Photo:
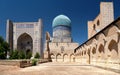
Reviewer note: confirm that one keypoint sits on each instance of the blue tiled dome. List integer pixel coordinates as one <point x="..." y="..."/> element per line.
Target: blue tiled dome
<point x="61" y="20"/>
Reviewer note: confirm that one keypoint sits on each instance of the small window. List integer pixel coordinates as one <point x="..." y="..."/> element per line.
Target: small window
<point x="94" y="26"/>
<point x="98" y="22"/>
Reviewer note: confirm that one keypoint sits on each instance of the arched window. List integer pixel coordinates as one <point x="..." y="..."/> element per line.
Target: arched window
<point x="98" y="22"/>
<point x="94" y="27"/>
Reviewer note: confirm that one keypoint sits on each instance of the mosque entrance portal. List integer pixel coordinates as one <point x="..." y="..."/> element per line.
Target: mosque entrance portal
<point x="25" y="43"/>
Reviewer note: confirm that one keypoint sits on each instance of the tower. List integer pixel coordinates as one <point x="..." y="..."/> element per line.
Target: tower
<point x="105" y="17"/>
<point x="107" y="14"/>
<point x="9" y="33"/>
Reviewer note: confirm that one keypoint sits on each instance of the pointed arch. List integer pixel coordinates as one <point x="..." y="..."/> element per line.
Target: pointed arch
<point x="113" y="46"/>
<point x="58" y="57"/>
<point x="111" y="30"/>
<point x="52" y="55"/>
<point x="25" y="42"/>
<point x="58" y="54"/>
<point x="72" y="57"/>
<point x="93" y="50"/>
<point x="65" y="54"/>
<point x="65" y="57"/>
<point x="101" y="49"/>
<point x="100" y="36"/>
<point x="113" y="53"/>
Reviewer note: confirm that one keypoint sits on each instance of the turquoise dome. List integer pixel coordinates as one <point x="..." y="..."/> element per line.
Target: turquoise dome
<point x="61" y="20"/>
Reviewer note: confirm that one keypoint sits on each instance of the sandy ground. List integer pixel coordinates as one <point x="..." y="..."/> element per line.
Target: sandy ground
<point x="55" y="69"/>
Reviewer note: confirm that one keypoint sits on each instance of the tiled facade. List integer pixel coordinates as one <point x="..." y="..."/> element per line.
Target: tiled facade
<point x="25" y="35"/>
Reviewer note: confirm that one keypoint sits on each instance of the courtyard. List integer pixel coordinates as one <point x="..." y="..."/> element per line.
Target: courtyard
<point x="53" y="68"/>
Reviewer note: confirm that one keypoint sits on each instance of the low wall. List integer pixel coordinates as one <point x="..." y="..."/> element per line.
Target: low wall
<point x="10" y="62"/>
<point x="43" y="61"/>
<point x="21" y="63"/>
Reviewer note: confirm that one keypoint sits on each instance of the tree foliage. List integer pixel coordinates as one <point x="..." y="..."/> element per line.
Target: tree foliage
<point x="37" y="55"/>
<point x="4" y="48"/>
<point x="28" y="55"/>
<point x="22" y="54"/>
<point x="34" y="62"/>
<point x="14" y="54"/>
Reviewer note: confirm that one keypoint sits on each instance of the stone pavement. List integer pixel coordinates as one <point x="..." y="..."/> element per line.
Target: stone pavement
<point x="56" y="69"/>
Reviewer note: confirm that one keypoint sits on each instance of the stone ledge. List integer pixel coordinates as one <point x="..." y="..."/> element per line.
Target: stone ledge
<point x="21" y="63"/>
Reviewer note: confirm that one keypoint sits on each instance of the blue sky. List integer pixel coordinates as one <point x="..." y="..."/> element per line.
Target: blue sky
<point x="79" y="11"/>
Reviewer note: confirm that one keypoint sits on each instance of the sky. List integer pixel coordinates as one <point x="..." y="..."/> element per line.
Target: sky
<point x="79" y="11"/>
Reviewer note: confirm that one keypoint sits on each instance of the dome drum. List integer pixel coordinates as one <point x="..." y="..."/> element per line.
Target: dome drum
<point x="61" y="29"/>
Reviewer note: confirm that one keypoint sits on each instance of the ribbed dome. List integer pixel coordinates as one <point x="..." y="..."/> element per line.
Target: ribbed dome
<point x="61" y="20"/>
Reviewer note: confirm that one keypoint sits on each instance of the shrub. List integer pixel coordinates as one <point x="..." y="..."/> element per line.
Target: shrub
<point x="28" y="55"/>
<point x="34" y="62"/>
<point x="37" y="55"/>
<point x="14" y="54"/>
<point x="21" y="54"/>
<point x="2" y="55"/>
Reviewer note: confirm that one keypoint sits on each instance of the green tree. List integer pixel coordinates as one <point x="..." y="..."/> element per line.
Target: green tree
<point x="2" y="53"/>
<point x="37" y="55"/>
<point x="1" y="39"/>
<point x="4" y="48"/>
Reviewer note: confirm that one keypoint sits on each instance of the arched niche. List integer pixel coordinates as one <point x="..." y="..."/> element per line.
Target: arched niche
<point x="72" y="57"/>
<point x="101" y="52"/>
<point x="113" y="46"/>
<point x="52" y="56"/>
<point x="93" y="50"/>
<point x="58" y="57"/>
<point x="101" y="49"/>
<point x="25" y="43"/>
<point x="65" y="57"/>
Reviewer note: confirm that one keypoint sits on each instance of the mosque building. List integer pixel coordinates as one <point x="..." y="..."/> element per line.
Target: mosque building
<point x="101" y="49"/>
<point x="61" y="46"/>
<point x="26" y="36"/>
